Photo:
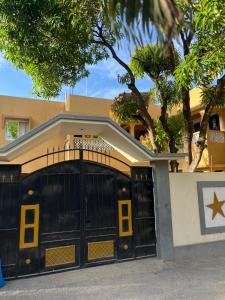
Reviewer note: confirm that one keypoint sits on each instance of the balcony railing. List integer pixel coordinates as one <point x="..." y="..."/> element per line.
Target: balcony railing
<point x="216" y="136"/>
<point x="213" y="136"/>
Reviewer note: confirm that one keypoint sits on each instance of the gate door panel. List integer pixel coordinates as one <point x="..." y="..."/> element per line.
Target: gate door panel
<point x="100" y="223"/>
<point x="51" y="241"/>
<point x="144" y="217"/>
<point x="60" y="221"/>
<point x="9" y="218"/>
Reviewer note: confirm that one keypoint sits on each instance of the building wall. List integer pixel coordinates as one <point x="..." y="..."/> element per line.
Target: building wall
<point x="195" y="97"/>
<point x="81" y="105"/>
<point x="37" y="111"/>
<point x="185" y="208"/>
<point x="216" y="153"/>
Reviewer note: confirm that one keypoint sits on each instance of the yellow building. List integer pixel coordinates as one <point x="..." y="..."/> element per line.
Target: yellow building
<point x="19" y="115"/>
<point x="213" y="158"/>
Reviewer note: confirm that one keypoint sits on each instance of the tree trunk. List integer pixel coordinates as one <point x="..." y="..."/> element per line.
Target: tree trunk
<point x="145" y="116"/>
<point x="188" y="123"/>
<point x="174" y="166"/>
<point x="188" y="128"/>
<point x="164" y="121"/>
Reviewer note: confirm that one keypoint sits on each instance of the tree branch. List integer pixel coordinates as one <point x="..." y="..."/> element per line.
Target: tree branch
<point x="132" y="86"/>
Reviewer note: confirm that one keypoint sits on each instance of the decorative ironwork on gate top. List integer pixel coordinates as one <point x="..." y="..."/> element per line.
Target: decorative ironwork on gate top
<point x="85" y="152"/>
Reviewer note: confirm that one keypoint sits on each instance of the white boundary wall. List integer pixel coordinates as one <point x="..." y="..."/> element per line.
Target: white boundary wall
<point x="185" y="208"/>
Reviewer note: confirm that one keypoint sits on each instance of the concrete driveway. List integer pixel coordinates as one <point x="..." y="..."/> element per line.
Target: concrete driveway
<point x="140" y="279"/>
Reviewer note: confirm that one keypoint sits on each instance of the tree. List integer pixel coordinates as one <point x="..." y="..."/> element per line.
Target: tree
<point x="204" y="65"/>
<point x="163" y="15"/>
<point x="202" y="43"/>
<point x="51" y="40"/>
<point x="155" y="62"/>
<point x="54" y="41"/>
<point x="125" y="110"/>
<point x="159" y="65"/>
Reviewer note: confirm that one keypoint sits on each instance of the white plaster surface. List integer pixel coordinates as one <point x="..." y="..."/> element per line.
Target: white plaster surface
<point x="185" y="209"/>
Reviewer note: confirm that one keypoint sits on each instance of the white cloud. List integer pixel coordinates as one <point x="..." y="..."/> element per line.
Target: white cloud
<point x="107" y="68"/>
<point x="110" y="68"/>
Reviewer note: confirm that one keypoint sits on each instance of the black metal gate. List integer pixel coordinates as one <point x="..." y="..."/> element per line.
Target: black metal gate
<point x="74" y="214"/>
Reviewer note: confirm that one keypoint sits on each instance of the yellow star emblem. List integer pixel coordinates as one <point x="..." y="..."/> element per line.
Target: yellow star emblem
<point x="216" y="207"/>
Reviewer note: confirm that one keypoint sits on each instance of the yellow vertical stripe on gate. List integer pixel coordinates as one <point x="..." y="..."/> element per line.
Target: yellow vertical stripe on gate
<point x="127" y="217"/>
<point x="24" y="226"/>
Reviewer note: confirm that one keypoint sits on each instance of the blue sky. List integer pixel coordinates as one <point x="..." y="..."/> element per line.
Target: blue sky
<point x="102" y="81"/>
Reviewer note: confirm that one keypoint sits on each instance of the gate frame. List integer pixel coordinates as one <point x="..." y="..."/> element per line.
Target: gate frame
<point x="6" y="169"/>
<point x="162" y="200"/>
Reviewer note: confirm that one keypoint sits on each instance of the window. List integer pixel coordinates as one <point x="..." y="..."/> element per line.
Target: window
<point x="14" y="128"/>
<point x="140" y="132"/>
<point x="214" y="122"/>
<point x="125" y="218"/>
<point x="29" y="226"/>
<point x="197" y="127"/>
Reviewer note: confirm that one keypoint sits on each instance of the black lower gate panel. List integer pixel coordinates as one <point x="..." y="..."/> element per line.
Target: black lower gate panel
<point x="74" y="214"/>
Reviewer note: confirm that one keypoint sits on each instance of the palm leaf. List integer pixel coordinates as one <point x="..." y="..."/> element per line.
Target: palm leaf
<point x="161" y="14"/>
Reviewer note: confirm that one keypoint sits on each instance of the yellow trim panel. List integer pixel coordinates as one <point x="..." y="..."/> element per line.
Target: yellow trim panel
<point x="24" y="226"/>
<point x="102" y="249"/>
<point x="122" y="218"/>
<point x="60" y="256"/>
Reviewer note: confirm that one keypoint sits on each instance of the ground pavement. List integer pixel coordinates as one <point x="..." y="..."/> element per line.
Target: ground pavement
<point x="140" y="279"/>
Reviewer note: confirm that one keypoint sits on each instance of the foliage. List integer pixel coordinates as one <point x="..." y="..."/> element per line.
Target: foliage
<point x="208" y="93"/>
<point x="203" y="65"/>
<point x="146" y="142"/>
<point x="161" y="136"/>
<point x="166" y="91"/>
<point x="125" y="108"/>
<point x="176" y="124"/>
<point x="158" y="64"/>
<point x="51" y="40"/>
<point x="153" y="60"/>
<point x="206" y="60"/>
<point x="12" y="128"/>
